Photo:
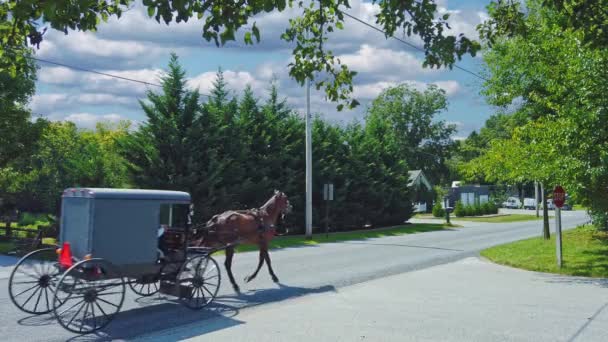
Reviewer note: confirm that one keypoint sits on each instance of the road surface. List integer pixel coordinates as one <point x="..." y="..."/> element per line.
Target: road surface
<point x="303" y="271"/>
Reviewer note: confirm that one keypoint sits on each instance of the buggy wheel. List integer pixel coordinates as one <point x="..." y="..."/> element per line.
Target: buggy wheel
<point x="145" y="287"/>
<point x="32" y="282"/>
<point x="88" y="296"/>
<point x="201" y="275"/>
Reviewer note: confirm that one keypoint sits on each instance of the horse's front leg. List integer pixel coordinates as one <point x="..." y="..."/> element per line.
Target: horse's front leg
<point x="228" y="264"/>
<point x="260" y="263"/>
<point x="267" y="258"/>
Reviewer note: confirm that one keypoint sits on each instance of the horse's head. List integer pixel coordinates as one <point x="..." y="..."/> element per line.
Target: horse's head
<point x="281" y="203"/>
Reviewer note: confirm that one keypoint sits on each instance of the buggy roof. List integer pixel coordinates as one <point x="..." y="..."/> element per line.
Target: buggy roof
<point x="128" y="194"/>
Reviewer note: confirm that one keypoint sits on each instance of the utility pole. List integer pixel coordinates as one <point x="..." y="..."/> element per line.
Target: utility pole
<point x="308" y="162"/>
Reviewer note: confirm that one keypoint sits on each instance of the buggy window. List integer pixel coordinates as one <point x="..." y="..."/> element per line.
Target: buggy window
<point x="175" y="216"/>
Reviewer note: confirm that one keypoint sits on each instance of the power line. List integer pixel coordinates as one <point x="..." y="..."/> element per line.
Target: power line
<point x="100" y="73"/>
<point x="406" y="42"/>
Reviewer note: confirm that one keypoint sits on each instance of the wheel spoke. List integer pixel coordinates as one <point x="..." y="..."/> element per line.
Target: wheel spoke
<point x="29" y="274"/>
<point x="101" y="309"/>
<point x="210" y="293"/>
<point x="32" y="296"/>
<point x="38" y="299"/>
<point x="105" y="301"/>
<point x="46" y="296"/>
<point x="70" y="308"/>
<point x="84" y="316"/>
<point x="108" y="293"/>
<point x="77" y="312"/>
<point x="93" y="315"/>
<point x="26" y="282"/>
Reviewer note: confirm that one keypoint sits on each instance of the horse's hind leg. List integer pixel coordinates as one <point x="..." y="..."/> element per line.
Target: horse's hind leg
<point x="260" y="263"/>
<point x="267" y="257"/>
<point x="228" y="264"/>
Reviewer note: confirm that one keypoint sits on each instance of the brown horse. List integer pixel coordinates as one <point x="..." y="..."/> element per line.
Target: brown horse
<point x="255" y="226"/>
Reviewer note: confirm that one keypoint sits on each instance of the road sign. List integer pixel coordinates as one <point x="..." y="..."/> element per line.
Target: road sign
<point x="559" y="196"/>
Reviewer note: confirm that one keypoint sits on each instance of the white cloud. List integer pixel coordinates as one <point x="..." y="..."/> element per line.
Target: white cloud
<point x="236" y="80"/>
<point x="384" y="63"/>
<point x="61" y="102"/>
<point x="89" y="120"/>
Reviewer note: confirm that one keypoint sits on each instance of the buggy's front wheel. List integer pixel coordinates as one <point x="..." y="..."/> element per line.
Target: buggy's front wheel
<point x="32" y="282"/>
<point x="202" y="277"/>
<point x="88" y="296"/>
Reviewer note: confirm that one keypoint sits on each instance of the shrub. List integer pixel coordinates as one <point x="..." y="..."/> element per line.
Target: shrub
<point x="492" y="208"/>
<point x="438" y="211"/>
<point x="486" y="208"/>
<point x="469" y="211"/>
<point x="459" y="209"/>
<point x="29" y="219"/>
<point x="477" y="210"/>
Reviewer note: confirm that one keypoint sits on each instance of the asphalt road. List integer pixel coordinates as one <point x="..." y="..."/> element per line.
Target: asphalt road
<point x="470" y="300"/>
<point x="302" y="271"/>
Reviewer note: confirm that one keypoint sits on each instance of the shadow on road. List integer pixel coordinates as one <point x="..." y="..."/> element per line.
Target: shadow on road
<point x="159" y="313"/>
<point x="577" y="280"/>
<point x="401" y="245"/>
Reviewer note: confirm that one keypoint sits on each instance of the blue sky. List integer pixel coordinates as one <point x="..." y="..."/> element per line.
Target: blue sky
<point x="137" y="47"/>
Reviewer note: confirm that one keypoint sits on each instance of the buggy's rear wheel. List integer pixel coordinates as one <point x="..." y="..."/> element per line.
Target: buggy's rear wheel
<point x="88" y="296"/>
<point x="201" y="275"/>
<point x="32" y="282"/>
<point x="145" y="286"/>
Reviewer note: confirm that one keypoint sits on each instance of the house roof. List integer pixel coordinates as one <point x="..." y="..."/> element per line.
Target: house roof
<point x="416" y="177"/>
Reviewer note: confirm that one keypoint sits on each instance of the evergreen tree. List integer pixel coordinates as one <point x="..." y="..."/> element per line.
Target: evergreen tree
<point x="159" y="152"/>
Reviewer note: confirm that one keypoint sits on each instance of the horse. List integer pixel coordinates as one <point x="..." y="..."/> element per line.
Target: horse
<point x="253" y="226"/>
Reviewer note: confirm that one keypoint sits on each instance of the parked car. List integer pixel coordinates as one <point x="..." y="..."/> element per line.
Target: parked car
<point x="550" y="205"/>
<point x="529" y="203"/>
<point x="512" y="203"/>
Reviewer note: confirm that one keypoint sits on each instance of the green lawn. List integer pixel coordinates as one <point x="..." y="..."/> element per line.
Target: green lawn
<point x="501" y="218"/>
<point x="585" y="253"/>
<point x="300" y="240"/>
<point x="6" y="247"/>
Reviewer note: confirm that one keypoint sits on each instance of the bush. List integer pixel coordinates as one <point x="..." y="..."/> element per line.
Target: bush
<point x="29" y="219"/>
<point x="469" y="211"/>
<point x="438" y="211"/>
<point x="486" y="208"/>
<point x="459" y="209"/>
<point x="477" y="210"/>
<point x="493" y="209"/>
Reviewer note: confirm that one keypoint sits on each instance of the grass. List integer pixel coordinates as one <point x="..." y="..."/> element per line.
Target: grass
<point x="584" y="253"/>
<point x="300" y="240"/>
<point x="578" y="207"/>
<point x="6" y="247"/>
<point x="501" y="218"/>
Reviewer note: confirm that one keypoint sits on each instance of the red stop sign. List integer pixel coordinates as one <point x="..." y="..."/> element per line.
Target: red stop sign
<point x="559" y="196"/>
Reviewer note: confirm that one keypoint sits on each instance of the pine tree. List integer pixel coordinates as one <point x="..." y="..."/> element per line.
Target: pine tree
<point x="159" y="152"/>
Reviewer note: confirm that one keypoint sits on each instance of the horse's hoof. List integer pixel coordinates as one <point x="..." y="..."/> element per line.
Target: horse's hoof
<point x="275" y="279"/>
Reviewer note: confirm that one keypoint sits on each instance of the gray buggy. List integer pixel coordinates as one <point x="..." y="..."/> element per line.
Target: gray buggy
<point x="111" y="239"/>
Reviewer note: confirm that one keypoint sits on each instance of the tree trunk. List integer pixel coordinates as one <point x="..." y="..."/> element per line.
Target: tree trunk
<point x="546" y="232"/>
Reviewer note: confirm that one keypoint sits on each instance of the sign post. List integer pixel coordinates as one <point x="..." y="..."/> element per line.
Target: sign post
<point x="446" y="202"/>
<point x="559" y="197"/>
<point x="328" y="195"/>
